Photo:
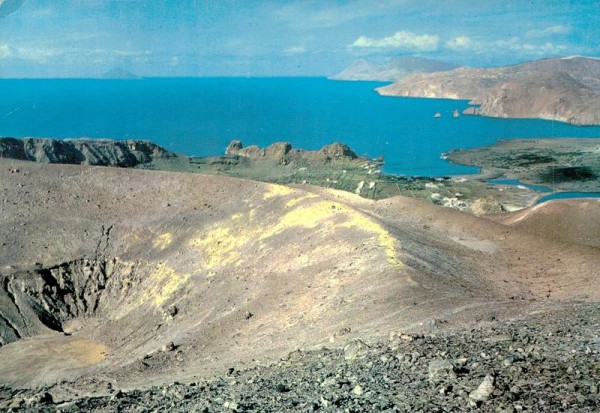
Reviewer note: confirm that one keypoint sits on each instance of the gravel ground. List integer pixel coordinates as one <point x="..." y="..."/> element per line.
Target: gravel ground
<point x="547" y="362"/>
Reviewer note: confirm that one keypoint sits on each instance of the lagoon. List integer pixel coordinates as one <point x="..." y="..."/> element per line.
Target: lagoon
<point x="567" y="195"/>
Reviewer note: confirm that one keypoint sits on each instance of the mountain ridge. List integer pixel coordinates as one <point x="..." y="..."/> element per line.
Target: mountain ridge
<point x="393" y="69"/>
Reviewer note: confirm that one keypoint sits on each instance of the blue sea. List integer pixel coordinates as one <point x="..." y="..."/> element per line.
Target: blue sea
<point x="199" y="116"/>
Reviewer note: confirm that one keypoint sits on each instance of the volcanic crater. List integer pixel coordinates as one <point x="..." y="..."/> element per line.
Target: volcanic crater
<point x="147" y="277"/>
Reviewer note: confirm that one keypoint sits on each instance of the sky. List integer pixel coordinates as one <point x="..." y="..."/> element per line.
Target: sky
<point x="85" y="38"/>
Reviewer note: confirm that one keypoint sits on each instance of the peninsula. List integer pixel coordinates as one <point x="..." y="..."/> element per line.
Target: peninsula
<point x="566" y="89"/>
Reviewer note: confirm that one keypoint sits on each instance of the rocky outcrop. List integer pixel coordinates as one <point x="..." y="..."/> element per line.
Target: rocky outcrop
<point x="392" y="70"/>
<point x="101" y="152"/>
<point x="338" y="150"/>
<point x="563" y="89"/>
<point x="283" y="153"/>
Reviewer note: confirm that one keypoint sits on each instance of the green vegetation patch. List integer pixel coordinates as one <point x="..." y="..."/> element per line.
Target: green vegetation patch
<point x="568" y="174"/>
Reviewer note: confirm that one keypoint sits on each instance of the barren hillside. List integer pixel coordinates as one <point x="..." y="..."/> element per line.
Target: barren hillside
<point x="103" y="268"/>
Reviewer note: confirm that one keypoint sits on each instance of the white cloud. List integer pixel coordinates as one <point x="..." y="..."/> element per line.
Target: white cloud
<point x="460" y="43"/>
<point x="37" y="54"/>
<point x="548" y="31"/>
<point x="400" y="40"/>
<point x="124" y="52"/>
<point x="45" y="55"/>
<point x="295" y="50"/>
<point x="4" y="51"/>
<point x="513" y="45"/>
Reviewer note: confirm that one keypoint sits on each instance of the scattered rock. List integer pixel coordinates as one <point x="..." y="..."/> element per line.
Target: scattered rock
<point x="484" y="391"/>
<point x="168" y="347"/>
<point x="16" y="403"/>
<point x="282" y="388"/>
<point x="171" y="312"/>
<point x="499" y="338"/>
<point x="548" y="372"/>
<point x="441" y="370"/>
<point x="40" y="399"/>
<point x="355" y="350"/>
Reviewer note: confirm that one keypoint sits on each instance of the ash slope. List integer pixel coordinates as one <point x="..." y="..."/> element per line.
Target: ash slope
<point x="575" y="221"/>
<point x="565" y="89"/>
<point x="236" y="273"/>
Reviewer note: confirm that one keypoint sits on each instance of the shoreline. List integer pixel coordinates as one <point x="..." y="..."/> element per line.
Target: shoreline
<point x="562" y="165"/>
<point x="336" y="166"/>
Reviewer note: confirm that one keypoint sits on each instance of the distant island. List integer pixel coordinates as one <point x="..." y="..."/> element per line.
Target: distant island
<point x="566" y="89"/>
<point x="119" y="73"/>
<point x="392" y="70"/>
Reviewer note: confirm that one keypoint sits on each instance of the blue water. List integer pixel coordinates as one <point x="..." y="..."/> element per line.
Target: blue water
<point x="568" y="195"/>
<point x="199" y="116"/>
<point x="516" y="182"/>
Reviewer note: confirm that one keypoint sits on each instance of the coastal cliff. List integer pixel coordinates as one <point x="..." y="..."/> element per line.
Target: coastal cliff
<point x="101" y="152"/>
<point x="565" y="89"/>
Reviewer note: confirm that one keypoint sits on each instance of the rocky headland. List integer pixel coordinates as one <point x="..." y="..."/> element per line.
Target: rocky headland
<point x="101" y="152"/>
<point x="392" y="70"/>
<point x="566" y="89"/>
